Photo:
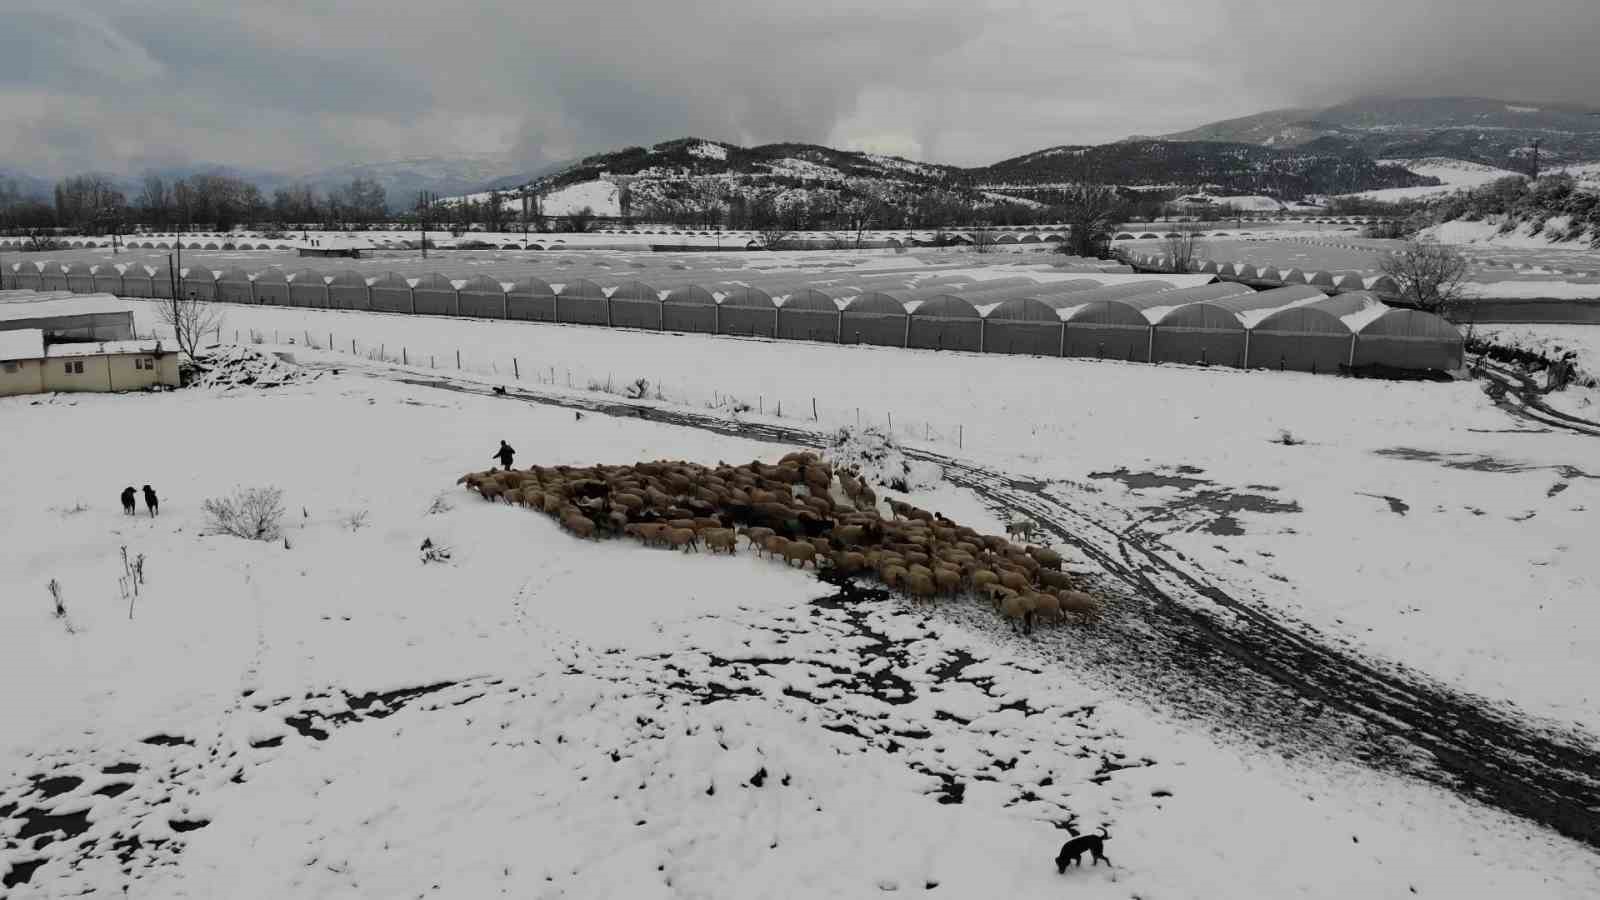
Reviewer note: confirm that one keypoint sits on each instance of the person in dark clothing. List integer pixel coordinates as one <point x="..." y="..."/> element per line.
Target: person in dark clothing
<point x="150" y="501"/>
<point x="504" y="454"/>
<point x="128" y="507"/>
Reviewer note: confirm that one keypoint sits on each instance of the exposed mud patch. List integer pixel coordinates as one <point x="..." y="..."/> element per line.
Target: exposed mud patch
<point x="1396" y="505"/>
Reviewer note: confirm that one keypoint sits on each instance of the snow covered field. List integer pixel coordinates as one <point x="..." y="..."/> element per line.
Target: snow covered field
<point x="1483" y="514"/>
<point x="543" y="717"/>
<point x="1455" y="173"/>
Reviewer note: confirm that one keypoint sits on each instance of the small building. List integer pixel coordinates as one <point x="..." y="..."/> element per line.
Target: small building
<point x="29" y="365"/>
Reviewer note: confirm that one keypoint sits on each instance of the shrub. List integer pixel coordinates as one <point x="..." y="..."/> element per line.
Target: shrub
<point x="254" y="514"/>
<point x="638" y="390"/>
<point x="1287" y="438"/>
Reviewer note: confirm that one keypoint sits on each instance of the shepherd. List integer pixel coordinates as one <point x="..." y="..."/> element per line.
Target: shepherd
<point x="504" y="454"/>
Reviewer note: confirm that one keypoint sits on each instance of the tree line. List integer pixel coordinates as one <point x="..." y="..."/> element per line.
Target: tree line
<point x="94" y="204"/>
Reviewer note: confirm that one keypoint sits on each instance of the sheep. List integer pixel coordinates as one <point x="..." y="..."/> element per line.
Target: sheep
<point x="1048" y="607"/>
<point x="802" y="552"/>
<point x="892" y="575"/>
<point x="579" y="526"/>
<point x="849" y="562"/>
<point x="757" y="536"/>
<point x="682" y="538"/>
<point x="491" y="490"/>
<point x="776" y="545"/>
<point x="921" y="587"/>
<point x="980" y="579"/>
<point x="1050" y="578"/>
<point x="1019" y="609"/>
<point x="1047" y="558"/>
<point x="1083" y="607"/>
<point x="1014" y="580"/>
<point x="720" y="539"/>
<point x="948" y="580"/>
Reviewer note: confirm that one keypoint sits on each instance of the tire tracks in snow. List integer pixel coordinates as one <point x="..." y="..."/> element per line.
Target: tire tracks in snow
<point x="1186" y="641"/>
<point x="1517" y="394"/>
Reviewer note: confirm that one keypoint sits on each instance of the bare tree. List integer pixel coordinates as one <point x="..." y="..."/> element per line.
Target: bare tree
<point x="983" y="240"/>
<point x="578" y="220"/>
<point x="1431" y="276"/>
<point x="1183" y="247"/>
<point x="190" y="319"/>
<point x="1093" y="210"/>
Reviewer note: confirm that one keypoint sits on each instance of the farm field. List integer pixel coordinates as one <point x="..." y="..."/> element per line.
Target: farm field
<point x="540" y="715"/>
<point x="1075" y="425"/>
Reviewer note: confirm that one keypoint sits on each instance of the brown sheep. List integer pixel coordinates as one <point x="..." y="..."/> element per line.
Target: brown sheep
<point x="802" y="552"/>
<point x="1047" y="558"/>
<point x="553" y="503"/>
<point x="1014" y="580"/>
<point x="757" y="536"/>
<point x="948" y="580"/>
<point x="491" y="490"/>
<point x="1048" y="607"/>
<point x="1018" y="608"/>
<point x="579" y="526"/>
<point x="849" y="562"/>
<point x="1083" y="607"/>
<point x="982" y="578"/>
<point x="776" y="544"/>
<point x="1055" y="580"/>
<point x="921" y="587"/>
<point x="682" y="538"/>
<point x="720" y="539"/>
<point x="893" y="575"/>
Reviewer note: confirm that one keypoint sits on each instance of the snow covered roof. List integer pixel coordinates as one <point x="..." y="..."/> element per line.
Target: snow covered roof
<point x="108" y="348"/>
<point x="24" y="343"/>
<point x="77" y="305"/>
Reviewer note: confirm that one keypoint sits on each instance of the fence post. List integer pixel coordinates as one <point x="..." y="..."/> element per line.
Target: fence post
<point x="458" y="358"/>
<point x="405" y="360"/>
<point x="330" y="343"/>
<point x="352" y="346"/>
<point x="960" y="435"/>
<point x="814" y="417"/>
<point x="516" y="369"/>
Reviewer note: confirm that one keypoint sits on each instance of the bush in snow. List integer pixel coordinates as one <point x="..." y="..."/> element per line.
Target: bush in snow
<point x="254" y="514"/>
<point x="639" y="390"/>
<point x="877" y="455"/>
<point x="1287" y="438"/>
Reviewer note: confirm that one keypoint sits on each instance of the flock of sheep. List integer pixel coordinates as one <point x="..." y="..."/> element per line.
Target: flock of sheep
<point x="803" y="512"/>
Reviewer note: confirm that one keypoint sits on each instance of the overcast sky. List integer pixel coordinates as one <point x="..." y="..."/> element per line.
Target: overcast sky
<point x="301" y="85"/>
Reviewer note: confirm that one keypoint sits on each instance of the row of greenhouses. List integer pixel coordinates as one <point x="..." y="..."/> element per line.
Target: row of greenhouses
<point x="1133" y="318"/>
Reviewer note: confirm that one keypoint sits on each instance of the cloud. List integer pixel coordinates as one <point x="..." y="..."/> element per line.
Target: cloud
<point x="301" y="85"/>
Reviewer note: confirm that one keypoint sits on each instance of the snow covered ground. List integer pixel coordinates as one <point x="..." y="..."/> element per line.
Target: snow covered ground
<point x="1455" y="173"/>
<point x="536" y="716"/>
<point x="1483" y="514"/>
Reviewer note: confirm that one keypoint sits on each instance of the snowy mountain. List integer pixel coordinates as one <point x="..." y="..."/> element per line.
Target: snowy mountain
<point x="675" y="169"/>
<point x="1475" y="129"/>
<point x="1233" y="168"/>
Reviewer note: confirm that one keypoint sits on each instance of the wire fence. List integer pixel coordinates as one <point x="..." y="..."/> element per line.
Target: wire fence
<point x="511" y="370"/>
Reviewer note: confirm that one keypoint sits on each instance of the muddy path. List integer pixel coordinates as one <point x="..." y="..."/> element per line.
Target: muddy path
<point x="1519" y="395"/>
<point x="1179" y="638"/>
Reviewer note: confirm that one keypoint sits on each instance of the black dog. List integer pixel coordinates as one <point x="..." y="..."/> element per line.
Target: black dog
<point x="128" y="508"/>
<point x="1072" y="851"/>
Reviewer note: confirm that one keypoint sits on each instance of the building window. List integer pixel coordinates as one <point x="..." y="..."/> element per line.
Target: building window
<point x="74" y="368"/>
<point x="11" y="368"/>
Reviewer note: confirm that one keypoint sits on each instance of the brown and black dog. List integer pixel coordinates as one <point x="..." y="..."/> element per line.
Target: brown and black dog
<point x="1072" y="851"/>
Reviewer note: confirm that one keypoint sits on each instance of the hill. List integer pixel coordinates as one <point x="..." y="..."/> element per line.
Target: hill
<point x="1318" y="167"/>
<point x="685" y="171"/>
<point x="1486" y="131"/>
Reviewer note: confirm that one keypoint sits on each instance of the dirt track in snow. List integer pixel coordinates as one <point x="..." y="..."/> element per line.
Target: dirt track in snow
<point x="1180" y="639"/>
